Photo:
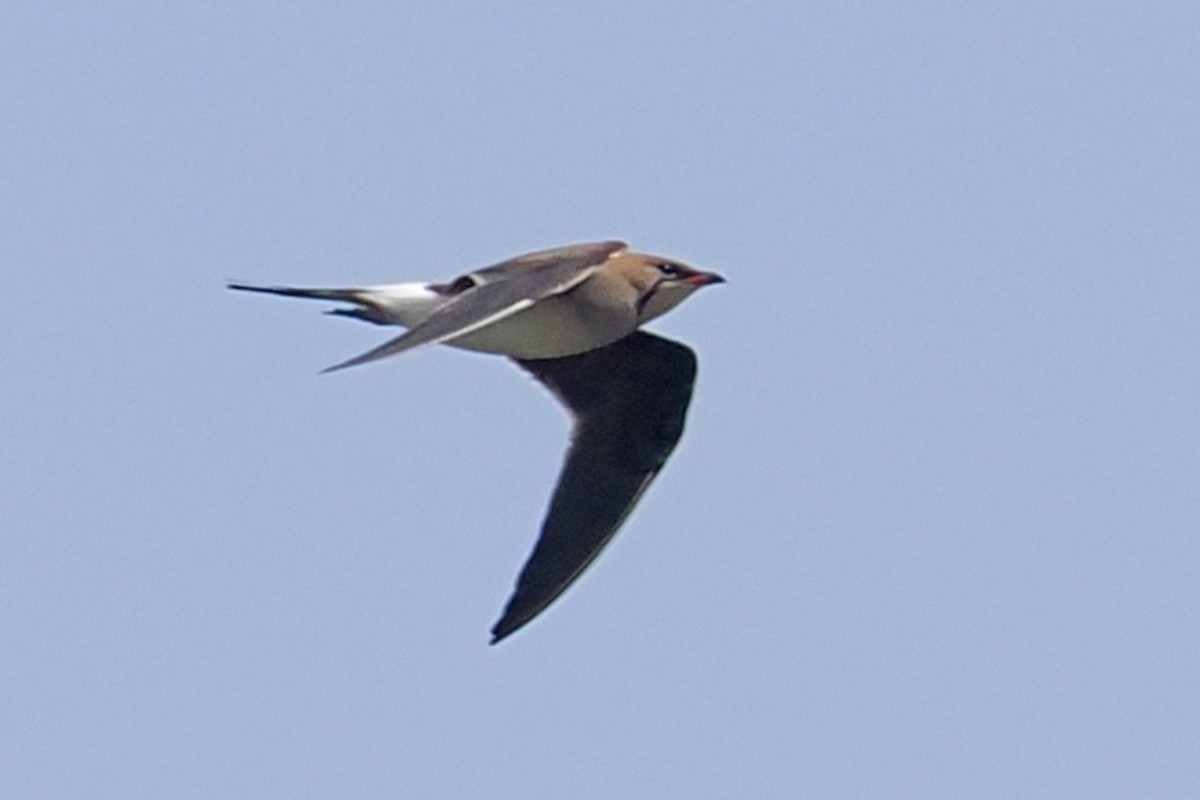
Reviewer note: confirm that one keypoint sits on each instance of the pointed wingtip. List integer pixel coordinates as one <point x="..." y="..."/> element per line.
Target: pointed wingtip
<point x="365" y="358"/>
<point x="503" y="629"/>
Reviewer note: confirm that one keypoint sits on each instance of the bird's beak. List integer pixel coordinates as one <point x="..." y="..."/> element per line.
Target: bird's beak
<point x="704" y="279"/>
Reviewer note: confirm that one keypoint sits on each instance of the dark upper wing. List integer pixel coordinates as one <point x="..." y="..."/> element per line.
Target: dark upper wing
<point x="629" y="400"/>
<point x="499" y="291"/>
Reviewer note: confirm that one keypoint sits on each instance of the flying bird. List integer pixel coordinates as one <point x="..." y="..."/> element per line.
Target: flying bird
<point x="569" y="316"/>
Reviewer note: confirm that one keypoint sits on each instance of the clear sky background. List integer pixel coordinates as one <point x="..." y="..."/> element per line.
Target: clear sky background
<point x="933" y="529"/>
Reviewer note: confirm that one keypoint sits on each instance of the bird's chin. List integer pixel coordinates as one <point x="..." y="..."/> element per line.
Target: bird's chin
<point x="666" y="298"/>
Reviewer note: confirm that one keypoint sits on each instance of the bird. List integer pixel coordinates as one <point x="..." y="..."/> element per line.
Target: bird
<point x="570" y="317"/>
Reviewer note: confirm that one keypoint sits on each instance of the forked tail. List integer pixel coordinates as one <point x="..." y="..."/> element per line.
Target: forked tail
<point x="344" y="295"/>
<point x="365" y="307"/>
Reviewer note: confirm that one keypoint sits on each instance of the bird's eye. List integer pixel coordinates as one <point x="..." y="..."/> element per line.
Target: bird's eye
<point x="670" y="270"/>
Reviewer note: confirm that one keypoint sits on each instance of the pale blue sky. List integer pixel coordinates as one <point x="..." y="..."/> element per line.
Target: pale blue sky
<point x="932" y="531"/>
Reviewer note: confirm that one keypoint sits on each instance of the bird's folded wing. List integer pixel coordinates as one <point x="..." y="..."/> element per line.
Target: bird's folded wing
<point x="581" y="254"/>
<point x="629" y="400"/>
<point x="499" y="292"/>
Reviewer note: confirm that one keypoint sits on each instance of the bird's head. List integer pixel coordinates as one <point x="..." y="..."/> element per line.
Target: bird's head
<point x="663" y="283"/>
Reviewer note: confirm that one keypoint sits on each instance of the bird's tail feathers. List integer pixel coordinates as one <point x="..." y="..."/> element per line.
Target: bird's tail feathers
<point x="366" y="308"/>
<point x="345" y="295"/>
